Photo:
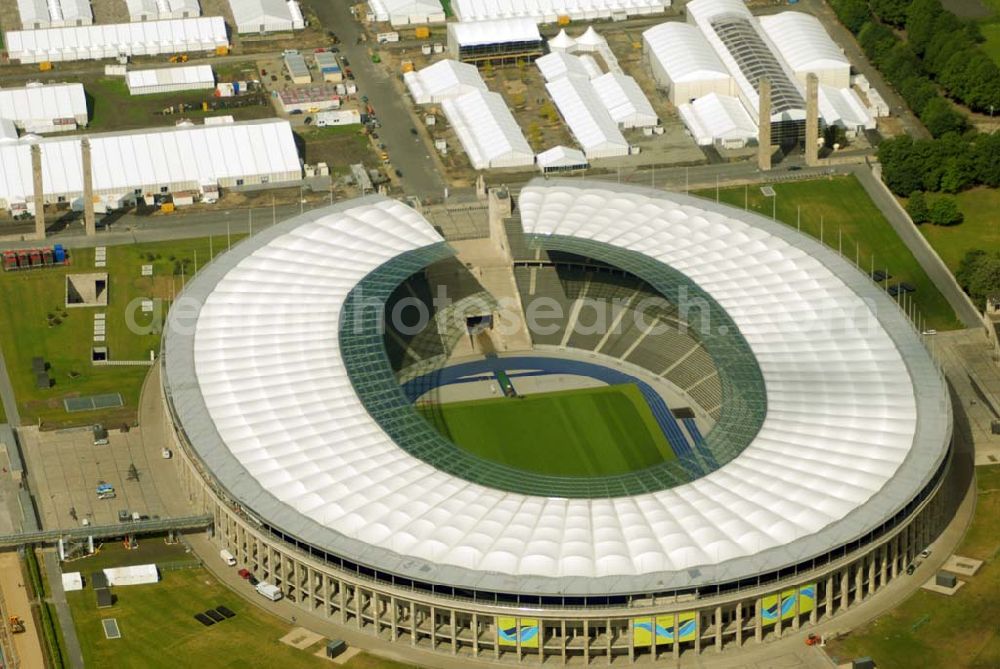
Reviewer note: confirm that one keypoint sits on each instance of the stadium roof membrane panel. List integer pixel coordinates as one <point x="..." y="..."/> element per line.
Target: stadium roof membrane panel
<point x="858" y="418"/>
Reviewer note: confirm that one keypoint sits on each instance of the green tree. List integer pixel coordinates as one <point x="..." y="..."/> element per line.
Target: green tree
<point x="979" y="275"/>
<point x="940" y="117"/>
<point x="917" y="207"/>
<point x="944" y="211"/>
<point x="852" y="13"/>
<point x="890" y="11"/>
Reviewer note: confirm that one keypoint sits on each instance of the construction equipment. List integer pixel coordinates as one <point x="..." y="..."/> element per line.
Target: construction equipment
<point x="422" y="32"/>
<point x="16" y="624"/>
<point x="407" y="66"/>
<point x="179" y="58"/>
<point x="221" y="50"/>
<point x="44" y="66"/>
<point x="167" y="207"/>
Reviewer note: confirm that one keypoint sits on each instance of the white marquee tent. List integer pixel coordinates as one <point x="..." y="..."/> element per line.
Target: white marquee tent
<point x="495" y="31"/>
<point x="135" y="575"/>
<point x="39" y="108"/>
<point x="180" y="158"/>
<point x="266" y="16"/>
<point x="560" y="64"/>
<point x="149" y="38"/>
<point x="683" y="62"/>
<point x="157" y="10"/>
<point x="562" y="42"/>
<point x="487" y="130"/>
<point x="549" y="11"/>
<point x="72" y="581"/>
<point x="407" y="12"/>
<point x="444" y="79"/>
<point x="625" y="101"/>
<point x="561" y="159"/>
<point x="587" y="118"/>
<point x="719" y="119"/>
<point x="37" y="14"/>
<point x="167" y="79"/>
<point x="843" y="107"/>
<point x="806" y="46"/>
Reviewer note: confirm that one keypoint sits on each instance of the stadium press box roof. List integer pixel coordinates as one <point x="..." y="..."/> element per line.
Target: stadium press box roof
<point x="296" y="424"/>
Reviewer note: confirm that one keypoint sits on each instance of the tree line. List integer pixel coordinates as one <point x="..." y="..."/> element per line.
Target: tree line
<point x="979" y="275"/>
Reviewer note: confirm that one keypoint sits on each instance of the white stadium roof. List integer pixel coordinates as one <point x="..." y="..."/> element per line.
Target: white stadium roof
<point x="148" y="38"/>
<point x="803" y="42"/>
<point x="549" y="11"/>
<point x="255" y="16"/>
<point x="444" y="79"/>
<point x="587" y="118"/>
<point x="684" y="53"/>
<point x="624" y="100"/>
<point x="857" y="420"/>
<point x="715" y="117"/>
<point x="38" y="103"/>
<point x="487" y="130"/>
<point x="54" y="13"/>
<point x="479" y="33"/>
<point x="122" y="162"/>
<point x="165" y="79"/>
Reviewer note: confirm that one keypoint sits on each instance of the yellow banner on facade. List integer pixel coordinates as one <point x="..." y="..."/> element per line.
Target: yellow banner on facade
<point x="645" y="630"/>
<point x="509" y="630"/>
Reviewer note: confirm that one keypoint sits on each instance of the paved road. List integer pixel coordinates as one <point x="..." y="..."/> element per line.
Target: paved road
<point x="71" y="643"/>
<point x="921" y="250"/>
<point x="7" y="395"/>
<point x="407" y="152"/>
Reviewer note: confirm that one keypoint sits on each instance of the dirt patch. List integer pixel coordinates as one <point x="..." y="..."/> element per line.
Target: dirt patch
<point x="968" y="9"/>
<point x="28" y="644"/>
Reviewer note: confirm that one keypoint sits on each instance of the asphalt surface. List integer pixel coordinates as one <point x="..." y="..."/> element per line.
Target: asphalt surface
<point x="407" y="152"/>
<point x="71" y="643"/>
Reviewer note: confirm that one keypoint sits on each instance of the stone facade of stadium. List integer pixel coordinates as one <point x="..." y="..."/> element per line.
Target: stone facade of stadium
<point x="465" y="624"/>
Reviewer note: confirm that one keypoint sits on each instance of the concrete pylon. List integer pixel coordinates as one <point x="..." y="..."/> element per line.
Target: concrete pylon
<point x="764" y="125"/>
<point x="812" y="120"/>
<point x="501" y="207"/>
<point x="88" y="189"/>
<point x="39" y="193"/>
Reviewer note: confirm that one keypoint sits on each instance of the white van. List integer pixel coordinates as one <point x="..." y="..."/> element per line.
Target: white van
<point x="272" y="592"/>
<point x="227" y="557"/>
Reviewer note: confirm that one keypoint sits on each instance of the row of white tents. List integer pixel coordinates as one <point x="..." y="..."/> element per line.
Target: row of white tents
<point x="158" y="10"/>
<point x="38" y="108"/>
<point x="37" y="14"/>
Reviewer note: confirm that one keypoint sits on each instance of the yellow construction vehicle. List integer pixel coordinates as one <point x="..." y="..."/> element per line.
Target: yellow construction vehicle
<point x="179" y="58"/>
<point x="44" y="66"/>
<point x="221" y="50"/>
<point x="422" y="32"/>
<point x="16" y="624"/>
<point x="407" y="66"/>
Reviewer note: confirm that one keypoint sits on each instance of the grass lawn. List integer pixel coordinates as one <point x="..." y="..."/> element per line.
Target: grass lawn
<point x="979" y="230"/>
<point x="158" y="629"/>
<point x="841" y="204"/>
<point x="586" y="432"/>
<point x="113" y="554"/>
<point x="30" y="297"/>
<point x="111" y="106"/>
<point x="991" y="43"/>
<point x="932" y="631"/>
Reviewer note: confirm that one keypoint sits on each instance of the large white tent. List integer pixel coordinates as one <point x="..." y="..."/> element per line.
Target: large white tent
<point x="560" y="64"/>
<point x="138" y="574"/>
<point x="408" y="12"/>
<point x="444" y="79"/>
<point x="842" y="107"/>
<point x="39" y="108"/>
<point x="624" y="100"/>
<point x="37" y="14"/>
<point x="549" y="11"/>
<point x="561" y="159"/>
<point x="587" y="118"/>
<point x="266" y="16"/>
<point x="148" y="38"/>
<point x="487" y="130"/>
<point x="495" y="31"/>
<point x="157" y="10"/>
<point x="683" y="62"/>
<point x="807" y="48"/>
<point x="718" y="119"/>
<point x="168" y="79"/>
<point x="181" y="158"/>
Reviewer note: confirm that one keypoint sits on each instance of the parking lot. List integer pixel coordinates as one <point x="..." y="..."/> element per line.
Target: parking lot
<point x="65" y="468"/>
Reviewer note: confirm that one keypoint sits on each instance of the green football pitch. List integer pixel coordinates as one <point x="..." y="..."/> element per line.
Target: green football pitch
<point x="587" y="432"/>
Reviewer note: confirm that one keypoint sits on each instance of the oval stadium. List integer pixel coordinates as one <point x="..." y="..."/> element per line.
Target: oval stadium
<point x="583" y="422"/>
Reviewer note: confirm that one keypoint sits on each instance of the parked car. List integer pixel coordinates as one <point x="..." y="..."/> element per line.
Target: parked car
<point x="308" y="120"/>
<point x="399" y="174"/>
<point x="413" y="131"/>
<point x="244" y="574"/>
<point x="253" y="580"/>
<point x="910" y="569"/>
<point x="124" y="516"/>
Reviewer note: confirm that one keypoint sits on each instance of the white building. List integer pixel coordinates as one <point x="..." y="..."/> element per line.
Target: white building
<point x="806" y="46"/>
<point x="587" y="117"/>
<point x="169" y="79"/>
<point x="37" y="14"/>
<point x="158" y="10"/>
<point x="155" y="161"/>
<point x="842" y="107"/>
<point x="151" y="38"/>
<point x="487" y="130"/>
<point x="266" y="16"/>
<point x="41" y="108"/>
<point x="549" y="11"/>
<point x="559" y="64"/>
<point x="444" y="79"/>
<point x="408" y="12"/>
<point x="497" y="38"/>
<point x="719" y="119"/>
<point x="561" y="159"/>
<point x="683" y="62"/>
<point x="134" y="575"/>
<point x="624" y="100"/>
